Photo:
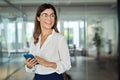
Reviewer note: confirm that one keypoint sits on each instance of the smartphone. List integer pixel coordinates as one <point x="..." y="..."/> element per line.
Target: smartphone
<point x="27" y="55"/>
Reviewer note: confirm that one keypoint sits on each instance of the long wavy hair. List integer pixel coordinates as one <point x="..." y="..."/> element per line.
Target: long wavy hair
<point x="37" y="26"/>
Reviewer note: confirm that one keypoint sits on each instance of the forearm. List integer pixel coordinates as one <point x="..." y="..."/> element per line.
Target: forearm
<point x="52" y="65"/>
<point x="46" y="63"/>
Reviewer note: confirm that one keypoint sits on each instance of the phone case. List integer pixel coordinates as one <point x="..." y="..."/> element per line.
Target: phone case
<point x="28" y="56"/>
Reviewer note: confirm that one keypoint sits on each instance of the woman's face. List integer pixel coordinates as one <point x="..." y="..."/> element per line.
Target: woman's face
<point x="47" y="19"/>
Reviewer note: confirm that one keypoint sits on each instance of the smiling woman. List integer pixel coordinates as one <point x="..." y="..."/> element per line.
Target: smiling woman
<point x="46" y="19"/>
<point x="48" y="41"/>
<point x="77" y="18"/>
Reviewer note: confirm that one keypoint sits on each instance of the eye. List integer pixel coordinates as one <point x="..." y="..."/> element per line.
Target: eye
<point x="44" y="15"/>
<point x="52" y="15"/>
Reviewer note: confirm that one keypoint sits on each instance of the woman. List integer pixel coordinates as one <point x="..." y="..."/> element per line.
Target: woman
<point x="48" y="46"/>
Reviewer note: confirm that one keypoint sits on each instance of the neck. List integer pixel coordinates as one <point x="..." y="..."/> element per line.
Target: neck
<point x="46" y="32"/>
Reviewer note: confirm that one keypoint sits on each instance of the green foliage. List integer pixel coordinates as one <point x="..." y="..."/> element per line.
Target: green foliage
<point x="97" y="37"/>
<point x="68" y="34"/>
<point x="97" y="40"/>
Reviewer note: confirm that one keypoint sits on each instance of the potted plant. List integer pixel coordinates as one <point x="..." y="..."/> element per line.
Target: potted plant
<point x="98" y="41"/>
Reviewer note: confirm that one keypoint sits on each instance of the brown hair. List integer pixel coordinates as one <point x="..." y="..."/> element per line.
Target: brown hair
<point x="37" y="27"/>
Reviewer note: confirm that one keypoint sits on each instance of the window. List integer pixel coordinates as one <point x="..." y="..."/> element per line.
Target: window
<point x="29" y="30"/>
<point x="74" y="32"/>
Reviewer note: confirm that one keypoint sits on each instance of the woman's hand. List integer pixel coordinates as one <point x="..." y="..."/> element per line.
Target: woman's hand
<point x="44" y="62"/>
<point x="41" y="61"/>
<point x="30" y="62"/>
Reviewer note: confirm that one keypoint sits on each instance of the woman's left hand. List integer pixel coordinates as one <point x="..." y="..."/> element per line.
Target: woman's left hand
<point x="41" y="61"/>
<point x="46" y="63"/>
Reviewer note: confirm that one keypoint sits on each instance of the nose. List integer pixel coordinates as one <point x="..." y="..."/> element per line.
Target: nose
<point x="49" y="17"/>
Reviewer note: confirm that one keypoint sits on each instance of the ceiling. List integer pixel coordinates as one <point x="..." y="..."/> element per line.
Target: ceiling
<point x="31" y="3"/>
<point x="6" y="5"/>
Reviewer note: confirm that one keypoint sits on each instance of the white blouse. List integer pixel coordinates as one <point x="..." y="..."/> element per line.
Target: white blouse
<point x="54" y="49"/>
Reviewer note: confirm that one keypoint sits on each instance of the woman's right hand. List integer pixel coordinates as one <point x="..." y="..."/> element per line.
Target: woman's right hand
<point x="30" y="62"/>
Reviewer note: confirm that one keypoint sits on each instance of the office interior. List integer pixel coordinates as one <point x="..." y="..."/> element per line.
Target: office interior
<point x="78" y="21"/>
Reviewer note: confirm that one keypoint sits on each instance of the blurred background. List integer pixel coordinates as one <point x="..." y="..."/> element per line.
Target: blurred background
<point x="90" y="26"/>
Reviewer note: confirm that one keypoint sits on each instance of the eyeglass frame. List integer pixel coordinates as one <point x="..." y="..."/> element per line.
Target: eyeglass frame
<point x="45" y="15"/>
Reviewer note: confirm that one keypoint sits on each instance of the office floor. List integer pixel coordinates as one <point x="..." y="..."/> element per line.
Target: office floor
<point x="83" y="68"/>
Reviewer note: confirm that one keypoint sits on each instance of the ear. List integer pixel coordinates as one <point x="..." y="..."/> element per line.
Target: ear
<point x="38" y="18"/>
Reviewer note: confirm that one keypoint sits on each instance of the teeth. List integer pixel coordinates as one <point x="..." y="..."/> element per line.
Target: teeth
<point x="48" y="23"/>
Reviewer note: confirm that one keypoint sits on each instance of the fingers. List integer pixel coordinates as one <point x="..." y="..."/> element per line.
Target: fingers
<point x="41" y="61"/>
<point x="30" y="62"/>
<point x="37" y="58"/>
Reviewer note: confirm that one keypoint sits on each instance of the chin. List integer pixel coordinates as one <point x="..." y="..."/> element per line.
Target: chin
<point x="49" y="27"/>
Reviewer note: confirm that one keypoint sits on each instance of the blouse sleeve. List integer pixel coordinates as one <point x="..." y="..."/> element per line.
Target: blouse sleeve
<point x="31" y="51"/>
<point x="64" y="64"/>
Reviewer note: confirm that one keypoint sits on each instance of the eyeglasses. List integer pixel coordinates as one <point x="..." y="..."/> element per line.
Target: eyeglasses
<point x="45" y="15"/>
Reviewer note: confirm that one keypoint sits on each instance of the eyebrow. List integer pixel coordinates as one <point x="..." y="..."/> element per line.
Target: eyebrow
<point x="47" y="13"/>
